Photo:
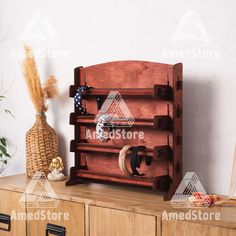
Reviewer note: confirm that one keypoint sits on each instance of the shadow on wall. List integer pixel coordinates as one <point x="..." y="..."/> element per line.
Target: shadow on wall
<point x="62" y="142"/>
<point x="197" y="125"/>
<point x="198" y="117"/>
<point x="58" y="102"/>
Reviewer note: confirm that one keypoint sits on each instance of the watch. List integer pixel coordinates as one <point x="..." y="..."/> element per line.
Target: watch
<point x="100" y="127"/>
<point x="78" y="99"/>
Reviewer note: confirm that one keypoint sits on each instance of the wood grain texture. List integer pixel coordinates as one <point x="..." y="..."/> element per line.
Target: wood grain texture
<point x="180" y="228"/>
<point x="144" y="86"/>
<point x="89" y="175"/>
<point x="88" y="120"/>
<point x="107" y="222"/>
<point x="74" y="226"/>
<point x="161" y="92"/>
<point x="177" y="130"/>
<point x="9" y="201"/>
<point x="124" y="73"/>
<point x="121" y="198"/>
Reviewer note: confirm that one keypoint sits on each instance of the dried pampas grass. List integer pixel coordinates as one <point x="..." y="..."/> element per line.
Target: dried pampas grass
<point x="38" y="94"/>
<point x="32" y="81"/>
<point x="50" y="88"/>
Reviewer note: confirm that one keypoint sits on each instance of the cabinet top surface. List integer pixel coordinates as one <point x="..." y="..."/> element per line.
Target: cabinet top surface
<point x="122" y="198"/>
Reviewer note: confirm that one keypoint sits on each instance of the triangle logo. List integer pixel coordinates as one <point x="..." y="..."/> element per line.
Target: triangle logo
<point x="39" y="193"/>
<point x="190" y="31"/>
<point x="115" y="107"/>
<point x="39" y="31"/>
<point x="190" y="186"/>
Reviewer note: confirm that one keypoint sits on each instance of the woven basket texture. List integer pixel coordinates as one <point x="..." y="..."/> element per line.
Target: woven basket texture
<point x="41" y="146"/>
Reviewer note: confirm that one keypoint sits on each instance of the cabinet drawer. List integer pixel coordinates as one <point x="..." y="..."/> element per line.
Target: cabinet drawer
<point x="9" y="204"/>
<point x="183" y="228"/>
<point x="107" y="222"/>
<point x="69" y="215"/>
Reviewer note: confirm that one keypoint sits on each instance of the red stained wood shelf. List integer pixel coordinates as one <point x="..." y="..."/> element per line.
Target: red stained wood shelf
<point x="162" y="92"/>
<point x="164" y="123"/>
<point x="156" y="183"/>
<point x="161" y="153"/>
<point x="157" y="84"/>
<point x="86" y="174"/>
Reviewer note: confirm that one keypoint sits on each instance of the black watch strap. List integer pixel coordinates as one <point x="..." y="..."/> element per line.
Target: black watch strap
<point x="136" y="160"/>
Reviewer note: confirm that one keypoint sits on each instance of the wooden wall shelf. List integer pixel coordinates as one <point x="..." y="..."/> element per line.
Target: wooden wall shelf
<point x="135" y="181"/>
<point x="162" y="92"/>
<point x="164" y="122"/>
<point x="153" y="94"/>
<point x="115" y="178"/>
<point x="161" y="153"/>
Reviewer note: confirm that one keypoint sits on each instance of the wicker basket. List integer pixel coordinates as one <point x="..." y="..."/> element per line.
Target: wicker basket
<point x="41" y="146"/>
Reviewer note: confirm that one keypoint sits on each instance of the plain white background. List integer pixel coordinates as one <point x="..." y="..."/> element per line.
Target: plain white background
<point x="92" y="32"/>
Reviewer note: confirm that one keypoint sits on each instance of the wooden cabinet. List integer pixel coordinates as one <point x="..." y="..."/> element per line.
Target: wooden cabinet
<point x="102" y="210"/>
<point x="183" y="228"/>
<point x="107" y="222"/>
<point x="69" y="215"/>
<point x="9" y="206"/>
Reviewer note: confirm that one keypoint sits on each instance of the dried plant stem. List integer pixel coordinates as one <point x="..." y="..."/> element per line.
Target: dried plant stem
<point x="33" y="82"/>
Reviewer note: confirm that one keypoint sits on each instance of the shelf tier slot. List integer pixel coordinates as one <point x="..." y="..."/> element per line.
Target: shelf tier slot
<point x="156" y="183"/>
<point x="90" y="175"/>
<point x="164" y="123"/>
<point x="162" y="92"/>
<point x="160" y="153"/>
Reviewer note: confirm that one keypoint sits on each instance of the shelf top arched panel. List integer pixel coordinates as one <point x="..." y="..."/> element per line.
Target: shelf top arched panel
<point x="127" y="74"/>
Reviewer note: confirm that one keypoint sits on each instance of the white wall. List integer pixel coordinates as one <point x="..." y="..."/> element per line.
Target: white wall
<point x="92" y="32"/>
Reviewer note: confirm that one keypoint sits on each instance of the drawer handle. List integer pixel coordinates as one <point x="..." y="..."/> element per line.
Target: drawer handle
<point x="55" y="230"/>
<point x="5" y="219"/>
